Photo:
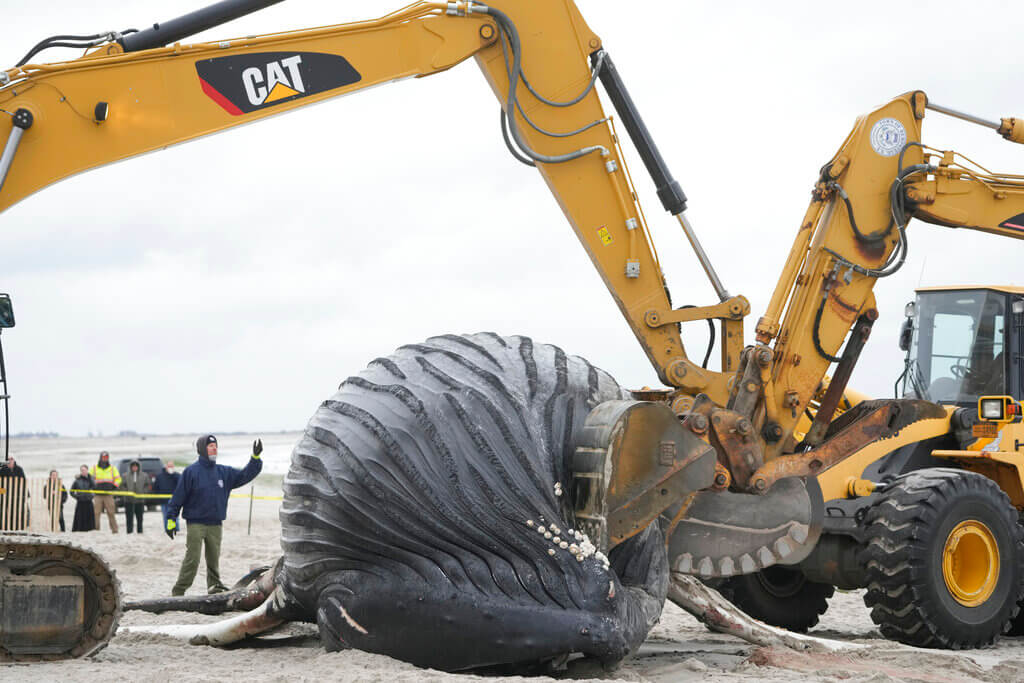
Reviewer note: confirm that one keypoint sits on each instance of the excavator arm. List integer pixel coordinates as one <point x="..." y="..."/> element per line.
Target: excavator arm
<point x="133" y="95"/>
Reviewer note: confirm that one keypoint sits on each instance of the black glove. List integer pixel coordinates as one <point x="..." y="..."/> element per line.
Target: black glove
<point x="172" y="528"/>
<point x="257" y="448"/>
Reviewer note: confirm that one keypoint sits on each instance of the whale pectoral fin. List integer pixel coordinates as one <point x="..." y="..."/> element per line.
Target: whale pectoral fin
<point x="224" y="632"/>
<point x="329" y="615"/>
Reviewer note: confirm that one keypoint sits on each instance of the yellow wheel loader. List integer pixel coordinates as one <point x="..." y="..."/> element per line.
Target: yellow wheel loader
<point x="724" y="465"/>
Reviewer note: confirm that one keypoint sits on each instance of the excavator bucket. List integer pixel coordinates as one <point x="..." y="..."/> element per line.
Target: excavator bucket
<point x="636" y="464"/>
<point x="724" y="533"/>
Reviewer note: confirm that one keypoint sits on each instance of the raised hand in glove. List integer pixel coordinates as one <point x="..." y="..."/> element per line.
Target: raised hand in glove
<point x="172" y="528"/>
<point x="257" y="448"/>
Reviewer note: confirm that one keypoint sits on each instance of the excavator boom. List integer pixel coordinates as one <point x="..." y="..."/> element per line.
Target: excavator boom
<point x="110" y="105"/>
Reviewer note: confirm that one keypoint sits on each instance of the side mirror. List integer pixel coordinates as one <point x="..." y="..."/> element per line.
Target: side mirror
<point x="906" y="334"/>
<point x="6" y="311"/>
<point x="1018" y="307"/>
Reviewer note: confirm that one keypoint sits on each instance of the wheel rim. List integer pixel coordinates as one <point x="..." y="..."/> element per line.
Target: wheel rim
<point x="970" y="563"/>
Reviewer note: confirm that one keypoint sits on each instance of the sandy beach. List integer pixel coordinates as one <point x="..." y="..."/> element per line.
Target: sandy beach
<point x="678" y="649"/>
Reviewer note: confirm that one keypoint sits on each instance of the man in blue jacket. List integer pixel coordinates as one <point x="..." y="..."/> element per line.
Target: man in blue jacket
<point x="203" y="495"/>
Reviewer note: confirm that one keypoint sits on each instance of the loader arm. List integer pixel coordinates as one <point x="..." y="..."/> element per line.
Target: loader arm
<point x="68" y="117"/>
<point x="853" y="233"/>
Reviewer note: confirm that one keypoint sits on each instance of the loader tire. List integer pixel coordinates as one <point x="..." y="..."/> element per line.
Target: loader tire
<point x="780" y="596"/>
<point x="944" y="560"/>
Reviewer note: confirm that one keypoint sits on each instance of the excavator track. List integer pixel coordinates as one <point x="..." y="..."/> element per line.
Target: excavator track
<point x="57" y="600"/>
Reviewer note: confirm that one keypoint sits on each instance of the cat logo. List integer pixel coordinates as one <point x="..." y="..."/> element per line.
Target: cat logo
<point x="270" y="83"/>
<point x="242" y="84"/>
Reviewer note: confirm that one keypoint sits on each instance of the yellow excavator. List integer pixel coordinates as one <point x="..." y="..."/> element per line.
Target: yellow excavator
<point x="764" y="476"/>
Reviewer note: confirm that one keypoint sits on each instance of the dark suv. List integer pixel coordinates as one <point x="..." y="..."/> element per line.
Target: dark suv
<point x="152" y="467"/>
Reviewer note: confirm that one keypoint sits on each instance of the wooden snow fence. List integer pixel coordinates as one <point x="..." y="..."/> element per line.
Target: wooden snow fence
<point x="29" y="505"/>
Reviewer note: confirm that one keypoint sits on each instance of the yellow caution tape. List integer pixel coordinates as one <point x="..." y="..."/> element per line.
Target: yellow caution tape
<point x="246" y="495"/>
<point x="129" y="494"/>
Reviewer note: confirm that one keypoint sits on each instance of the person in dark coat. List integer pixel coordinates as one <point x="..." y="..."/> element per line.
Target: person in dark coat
<point x="165" y="483"/>
<point x="202" y="496"/>
<point x="55" y="496"/>
<point x="85" y="518"/>
<point x="134" y="482"/>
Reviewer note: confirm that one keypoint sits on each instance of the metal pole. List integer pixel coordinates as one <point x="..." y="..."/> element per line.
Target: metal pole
<point x="22" y="121"/>
<point x="705" y="262"/>
<point x="252" y="492"/>
<point x="962" y="116"/>
<point x="4" y="398"/>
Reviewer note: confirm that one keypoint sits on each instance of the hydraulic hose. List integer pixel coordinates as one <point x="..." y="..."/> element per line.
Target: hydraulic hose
<point x="515" y="73"/>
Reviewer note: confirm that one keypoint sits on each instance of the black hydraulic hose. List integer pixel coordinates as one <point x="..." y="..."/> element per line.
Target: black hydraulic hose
<point x="902" y="151"/>
<point x="508" y="143"/>
<point x="522" y="112"/>
<point x="711" y="338"/>
<point x="510" y="31"/>
<point x="876" y="236"/>
<point x="62" y="41"/>
<point x="551" y="134"/>
<point x="816" y="329"/>
<point x="599" y="62"/>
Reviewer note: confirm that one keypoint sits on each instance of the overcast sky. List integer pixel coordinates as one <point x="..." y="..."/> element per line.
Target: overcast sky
<point x="231" y="283"/>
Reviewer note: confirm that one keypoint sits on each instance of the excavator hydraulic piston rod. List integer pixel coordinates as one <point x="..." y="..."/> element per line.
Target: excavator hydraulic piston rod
<point x="669" y="191"/>
<point x="705" y="262"/>
<point x="22" y="121"/>
<point x="191" y="23"/>
<point x="970" y="118"/>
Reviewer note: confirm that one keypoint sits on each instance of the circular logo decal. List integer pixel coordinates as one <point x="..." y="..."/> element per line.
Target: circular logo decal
<point x="888" y="136"/>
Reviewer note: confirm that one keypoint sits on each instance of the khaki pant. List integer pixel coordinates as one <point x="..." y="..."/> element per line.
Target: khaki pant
<point x="195" y="537"/>
<point x="101" y="503"/>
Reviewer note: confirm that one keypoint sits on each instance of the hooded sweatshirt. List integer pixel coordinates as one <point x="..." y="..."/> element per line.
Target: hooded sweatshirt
<point x="135" y="480"/>
<point x="202" y="494"/>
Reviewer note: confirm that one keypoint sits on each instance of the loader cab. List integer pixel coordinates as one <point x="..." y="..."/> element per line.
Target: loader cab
<point x="963" y="343"/>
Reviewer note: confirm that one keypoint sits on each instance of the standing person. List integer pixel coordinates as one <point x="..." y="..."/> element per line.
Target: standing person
<point x="12" y="502"/>
<point x="165" y="483"/>
<point x="55" y="496"/>
<point x="85" y="517"/>
<point x="105" y="477"/>
<point x="203" y="494"/>
<point x="134" y="482"/>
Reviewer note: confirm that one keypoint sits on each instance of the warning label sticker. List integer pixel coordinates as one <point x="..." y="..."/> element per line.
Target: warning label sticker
<point x="606" y="237"/>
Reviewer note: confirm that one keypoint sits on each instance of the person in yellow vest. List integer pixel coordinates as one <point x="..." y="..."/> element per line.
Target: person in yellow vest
<point x="105" y="478"/>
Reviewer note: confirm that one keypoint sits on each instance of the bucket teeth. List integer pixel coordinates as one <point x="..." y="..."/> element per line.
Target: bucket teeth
<point x="726" y="533"/>
<point x="765" y="556"/>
